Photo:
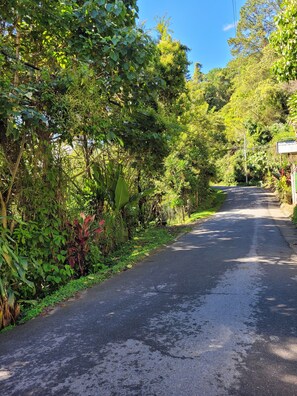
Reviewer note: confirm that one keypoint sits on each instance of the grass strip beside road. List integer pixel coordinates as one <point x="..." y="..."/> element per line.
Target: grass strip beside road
<point x="217" y="199"/>
<point x="144" y="243"/>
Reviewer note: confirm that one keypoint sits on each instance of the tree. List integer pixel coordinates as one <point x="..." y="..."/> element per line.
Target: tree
<point x="284" y="41"/>
<point x="257" y="96"/>
<point x="68" y="69"/>
<point x="197" y="75"/>
<point x="217" y="86"/>
<point x="254" y="27"/>
<point x="173" y="65"/>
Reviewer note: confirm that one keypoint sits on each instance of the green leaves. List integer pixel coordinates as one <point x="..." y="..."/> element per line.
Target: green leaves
<point x="254" y="27"/>
<point x="108" y="7"/>
<point x="85" y="87"/>
<point x="173" y="65"/>
<point x="293" y="107"/>
<point x="284" y="41"/>
<point x="121" y="194"/>
<point x="114" y="56"/>
<point x="13" y="274"/>
<point x="2" y="290"/>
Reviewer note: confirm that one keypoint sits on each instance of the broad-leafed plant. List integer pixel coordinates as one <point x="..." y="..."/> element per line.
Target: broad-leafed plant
<point x="83" y="231"/>
<point x="13" y="269"/>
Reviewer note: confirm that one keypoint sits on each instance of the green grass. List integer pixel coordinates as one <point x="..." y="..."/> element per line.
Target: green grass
<point x="144" y="243"/>
<point x="217" y="199"/>
<point x="132" y="252"/>
<point x="213" y="204"/>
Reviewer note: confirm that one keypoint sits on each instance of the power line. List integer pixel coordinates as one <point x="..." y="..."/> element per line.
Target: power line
<point x="234" y="7"/>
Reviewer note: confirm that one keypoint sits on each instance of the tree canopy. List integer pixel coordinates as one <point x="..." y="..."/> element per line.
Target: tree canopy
<point x="255" y="25"/>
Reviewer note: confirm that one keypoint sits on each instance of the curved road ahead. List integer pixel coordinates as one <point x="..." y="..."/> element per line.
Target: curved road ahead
<point x="212" y="314"/>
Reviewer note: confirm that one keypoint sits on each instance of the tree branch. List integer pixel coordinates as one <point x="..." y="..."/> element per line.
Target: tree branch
<point x="19" y="60"/>
<point x="14" y="173"/>
<point x="115" y="103"/>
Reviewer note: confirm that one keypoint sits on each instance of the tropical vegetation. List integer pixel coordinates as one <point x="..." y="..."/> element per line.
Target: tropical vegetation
<point x="103" y="133"/>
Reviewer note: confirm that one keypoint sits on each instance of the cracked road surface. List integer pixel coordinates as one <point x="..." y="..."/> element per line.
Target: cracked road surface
<point x="212" y="314"/>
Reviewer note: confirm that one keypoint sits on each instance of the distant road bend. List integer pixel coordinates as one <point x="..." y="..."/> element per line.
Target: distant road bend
<point x="212" y="314"/>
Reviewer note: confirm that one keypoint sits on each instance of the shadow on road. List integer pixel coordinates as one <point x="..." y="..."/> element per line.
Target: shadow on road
<point x="218" y="307"/>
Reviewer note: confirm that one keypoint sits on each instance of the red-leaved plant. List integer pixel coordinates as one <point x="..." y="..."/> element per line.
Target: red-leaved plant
<point x="83" y="231"/>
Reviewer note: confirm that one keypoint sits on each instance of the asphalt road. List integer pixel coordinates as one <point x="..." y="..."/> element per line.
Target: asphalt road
<point x="212" y="314"/>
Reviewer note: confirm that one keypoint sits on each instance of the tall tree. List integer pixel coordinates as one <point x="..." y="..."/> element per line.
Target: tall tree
<point x="68" y="68"/>
<point x="255" y="25"/>
<point x="173" y="64"/>
<point x="257" y="96"/>
<point x="217" y="86"/>
<point x="284" y="42"/>
<point x="197" y="75"/>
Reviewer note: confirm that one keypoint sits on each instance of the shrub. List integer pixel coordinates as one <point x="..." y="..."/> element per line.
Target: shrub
<point x="83" y="232"/>
<point x="45" y="248"/>
<point x="13" y="269"/>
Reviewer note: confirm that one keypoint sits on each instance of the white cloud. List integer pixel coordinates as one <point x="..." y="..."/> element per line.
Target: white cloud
<point x="229" y="27"/>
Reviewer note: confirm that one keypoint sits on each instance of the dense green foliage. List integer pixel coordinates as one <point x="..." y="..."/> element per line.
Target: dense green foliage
<point x="253" y="104"/>
<point x="255" y="26"/>
<point x="102" y="133"/>
<point x="284" y="41"/>
<point x="139" y="247"/>
<point x="93" y="140"/>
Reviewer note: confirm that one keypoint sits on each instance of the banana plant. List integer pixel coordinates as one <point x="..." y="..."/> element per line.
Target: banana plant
<point x="112" y="186"/>
<point x="122" y="195"/>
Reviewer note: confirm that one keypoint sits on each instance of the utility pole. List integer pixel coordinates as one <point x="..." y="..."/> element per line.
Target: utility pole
<point x="245" y="158"/>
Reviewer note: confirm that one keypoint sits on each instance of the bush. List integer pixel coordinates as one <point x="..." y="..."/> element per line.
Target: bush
<point x="284" y="190"/>
<point x="13" y="277"/>
<point x="45" y="249"/>
<point x="83" y="232"/>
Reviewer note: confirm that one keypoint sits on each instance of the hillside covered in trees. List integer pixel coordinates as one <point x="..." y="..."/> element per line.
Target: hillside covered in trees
<point x="102" y="132"/>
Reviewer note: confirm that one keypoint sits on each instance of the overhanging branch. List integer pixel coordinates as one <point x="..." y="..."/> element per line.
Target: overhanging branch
<point x="19" y="60"/>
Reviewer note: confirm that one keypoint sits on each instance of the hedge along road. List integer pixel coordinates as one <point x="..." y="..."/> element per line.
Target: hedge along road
<point x="212" y="314"/>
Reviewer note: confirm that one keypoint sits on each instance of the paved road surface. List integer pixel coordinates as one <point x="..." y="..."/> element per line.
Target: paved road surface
<point x="212" y="314"/>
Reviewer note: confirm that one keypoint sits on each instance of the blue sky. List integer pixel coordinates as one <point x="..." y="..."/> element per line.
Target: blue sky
<point x="203" y="26"/>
